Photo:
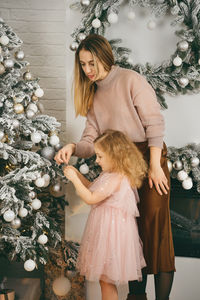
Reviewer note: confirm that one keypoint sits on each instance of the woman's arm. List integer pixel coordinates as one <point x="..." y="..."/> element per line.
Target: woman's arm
<point x="156" y="174"/>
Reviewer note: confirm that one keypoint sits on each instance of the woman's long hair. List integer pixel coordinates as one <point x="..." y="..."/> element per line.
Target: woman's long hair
<point x="84" y="89"/>
<point x="124" y="155"/>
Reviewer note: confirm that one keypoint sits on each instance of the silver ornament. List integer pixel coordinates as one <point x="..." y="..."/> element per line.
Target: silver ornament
<point x="57" y="147"/>
<point x="42" y="239"/>
<point x="85" y="2"/>
<point x="183" y="46"/>
<point x="56" y="187"/>
<point x="29" y="265"/>
<point x="36" y="137"/>
<point x="15" y="123"/>
<point x="4" y="40"/>
<point x="48" y="152"/>
<point x="33" y="107"/>
<point x="81" y="36"/>
<point x="54" y="140"/>
<point x="39" y="182"/>
<point x="187" y="184"/>
<point x="23" y="212"/>
<point x="32" y="194"/>
<point x="36" y="204"/>
<point x="177" y="61"/>
<point x="182" y="175"/>
<point x="39" y="92"/>
<point x="8" y="63"/>
<point x="73" y="46"/>
<point x="19" y="55"/>
<point x="27" y="76"/>
<point x="9" y="215"/>
<point x="16" y="223"/>
<point x="1" y="134"/>
<point x="18" y="108"/>
<point x="112" y="18"/>
<point x="84" y="169"/>
<point x="194" y="161"/>
<point x="96" y="23"/>
<point x="2" y="69"/>
<point x="169" y="165"/>
<point x="183" y="82"/>
<point x="177" y="165"/>
<point x="30" y="113"/>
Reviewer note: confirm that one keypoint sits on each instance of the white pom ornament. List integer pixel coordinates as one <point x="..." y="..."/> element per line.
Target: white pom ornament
<point x="4" y="40"/>
<point x="9" y="215"/>
<point x="42" y="239"/>
<point x="169" y="165"/>
<point x="36" y="137"/>
<point x="36" y="204"/>
<point x="187" y="184"/>
<point x="84" y="169"/>
<point x="151" y="25"/>
<point x="182" y="175"/>
<point x="96" y="23"/>
<point x="23" y="212"/>
<point x="177" y="61"/>
<point x="61" y="286"/>
<point x="131" y="15"/>
<point x="112" y="18"/>
<point x="39" y="93"/>
<point x="194" y="161"/>
<point x="29" y="265"/>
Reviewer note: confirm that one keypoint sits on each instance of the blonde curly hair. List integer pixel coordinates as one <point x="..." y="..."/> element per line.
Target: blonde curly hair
<point x="124" y="155"/>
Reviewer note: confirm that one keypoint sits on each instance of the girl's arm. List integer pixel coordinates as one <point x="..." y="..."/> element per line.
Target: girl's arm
<point x="156" y="173"/>
<point x="86" y="195"/>
<point x="82" y="178"/>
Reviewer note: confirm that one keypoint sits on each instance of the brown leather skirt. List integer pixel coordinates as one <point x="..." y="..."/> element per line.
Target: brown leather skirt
<point x="154" y="222"/>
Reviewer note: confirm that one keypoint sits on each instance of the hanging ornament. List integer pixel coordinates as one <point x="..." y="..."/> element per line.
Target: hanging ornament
<point x="131" y="15"/>
<point x="2" y="69"/>
<point x="27" y="76"/>
<point x="48" y="152"/>
<point x="36" y="204"/>
<point x="112" y="18"/>
<point x="183" y="82"/>
<point x="85" y="2"/>
<point x="9" y="215"/>
<point x="182" y="175"/>
<point x="15" y="123"/>
<point x="19" y="55"/>
<point x="23" y="212"/>
<point x="18" y="108"/>
<point x="32" y="194"/>
<point x="177" y="61"/>
<point x="33" y="107"/>
<point x="1" y="134"/>
<point x="177" y="165"/>
<point x="183" y="46"/>
<point x="57" y="147"/>
<point x="151" y="25"/>
<point x="54" y="140"/>
<point x="36" y="137"/>
<point x="16" y="223"/>
<point x="194" y="161"/>
<point x="4" y="40"/>
<point x="34" y="98"/>
<point x="175" y="10"/>
<point x="8" y="63"/>
<point x="56" y="187"/>
<point x="46" y="178"/>
<point x="81" y="36"/>
<point x="169" y="165"/>
<point x="61" y="286"/>
<point x="84" y="169"/>
<point x="29" y="265"/>
<point x="73" y="46"/>
<point x="96" y="23"/>
<point x="39" y="93"/>
<point x="39" y="182"/>
<point x="30" y="113"/>
<point x="42" y="239"/>
<point x="187" y="184"/>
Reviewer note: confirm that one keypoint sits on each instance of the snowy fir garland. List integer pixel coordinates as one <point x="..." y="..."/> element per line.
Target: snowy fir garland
<point x="180" y="74"/>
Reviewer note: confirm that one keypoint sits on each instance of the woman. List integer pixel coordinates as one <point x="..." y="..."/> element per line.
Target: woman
<point x="115" y="98"/>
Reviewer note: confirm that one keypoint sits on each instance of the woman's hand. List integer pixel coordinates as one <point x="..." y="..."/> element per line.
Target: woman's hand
<point x="64" y="154"/>
<point x="70" y="172"/>
<point x="158" y="179"/>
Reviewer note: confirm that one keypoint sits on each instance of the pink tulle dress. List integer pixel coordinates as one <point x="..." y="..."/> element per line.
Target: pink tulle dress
<point x="111" y="249"/>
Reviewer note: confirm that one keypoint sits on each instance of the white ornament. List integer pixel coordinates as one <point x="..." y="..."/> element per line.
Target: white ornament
<point x="194" y="161"/>
<point x="33" y="107"/>
<point x="19" y="55"/>
<point x="177" y="61"/>
<point x="81" y="36"/>
<point x="30" y="113"/>
<point x="2" y="69"/>
<point x="4" y="40"/>
<point x="15" y="123"/>
<point x="187" y="184"/>
<point x="151" y="25"/>
<point x="56" y="187"/>
<point x="183" y="82"/>
<point x="9" y="215"/>
<point x="73" y="46"/>
<point x="1" y="135"/>
<point x="199" y="61"/>
<point x="16" y="223"/>
<point x="39" y="182"/>
<point x="84" y="169"/>
<point x="8" y="63"/>
<point x="54" y="140"/>
<point x="169" y="165"/>
<point x="36" y="204"/>
<point x="112" y="18"/>
<point x="85" y="2"/>
<point x="177" y="165"/>
<point x="42" y="239"/>
<point x="183" y="46"/>
<point x="48" y="152"/>
<point x="96" y="23"/>
<point x="23" y="212"/>
<point x="46" y="178"/>
<point x="36" y="137"/>
<point x="182" y="175"/>
<point x="32" y="194"/>
<point x="131" y="15"/>
<point x="39" y="93"/>
<point x="18" y="108"/>
<point x="61" y="286"/>
<point x="29" y="265"/>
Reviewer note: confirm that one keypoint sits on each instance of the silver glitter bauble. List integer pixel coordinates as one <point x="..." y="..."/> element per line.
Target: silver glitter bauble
<point x="183" y="46"/>
<point x="194" y="161"/>
<point x="183" y="82"/>
<point x="8" y="63"/>
<point x="48" y="152"/>
<point x="2" y="69"/>
<point x="84" y="169"/>
<point x="30" y="113"/>
<point x="18" y="108"/>
<point x="27" y="76"/>
<point x="19" y="55"/>
<point x="36" y="137"/>
<point x="16" y="223"/>
<point x="81" y="36"/>
<point x="73" y="46"/>
<point x="32" y="194"/>
<point x="177" y="165"/>
<point x="85" y="2"/>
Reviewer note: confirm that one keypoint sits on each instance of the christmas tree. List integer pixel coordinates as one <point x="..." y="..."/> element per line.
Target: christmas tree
<point x="30" y="181"/>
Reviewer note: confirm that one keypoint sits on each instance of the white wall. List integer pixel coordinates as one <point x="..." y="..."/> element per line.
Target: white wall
<point x="182" y="127"/>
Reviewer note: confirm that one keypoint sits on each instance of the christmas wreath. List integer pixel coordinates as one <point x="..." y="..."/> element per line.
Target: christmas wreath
<point x="180" y="74"/>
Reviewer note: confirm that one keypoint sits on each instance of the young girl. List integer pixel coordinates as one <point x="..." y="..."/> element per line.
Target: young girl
<point x="111" y="250"/>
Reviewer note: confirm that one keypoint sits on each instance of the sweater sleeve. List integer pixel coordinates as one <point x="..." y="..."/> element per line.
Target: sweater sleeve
<point x="149" y="113"/>
<point x="85" y="147"/>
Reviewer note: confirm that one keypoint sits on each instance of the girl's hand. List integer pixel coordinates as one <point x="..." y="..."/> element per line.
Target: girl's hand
<point x="64" y="154"/>
<point x="70" y="173"/>
<point x="158" y="179"/>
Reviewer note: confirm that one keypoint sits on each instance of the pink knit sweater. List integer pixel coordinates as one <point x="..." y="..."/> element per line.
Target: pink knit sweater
<point x="123" y="101"/>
